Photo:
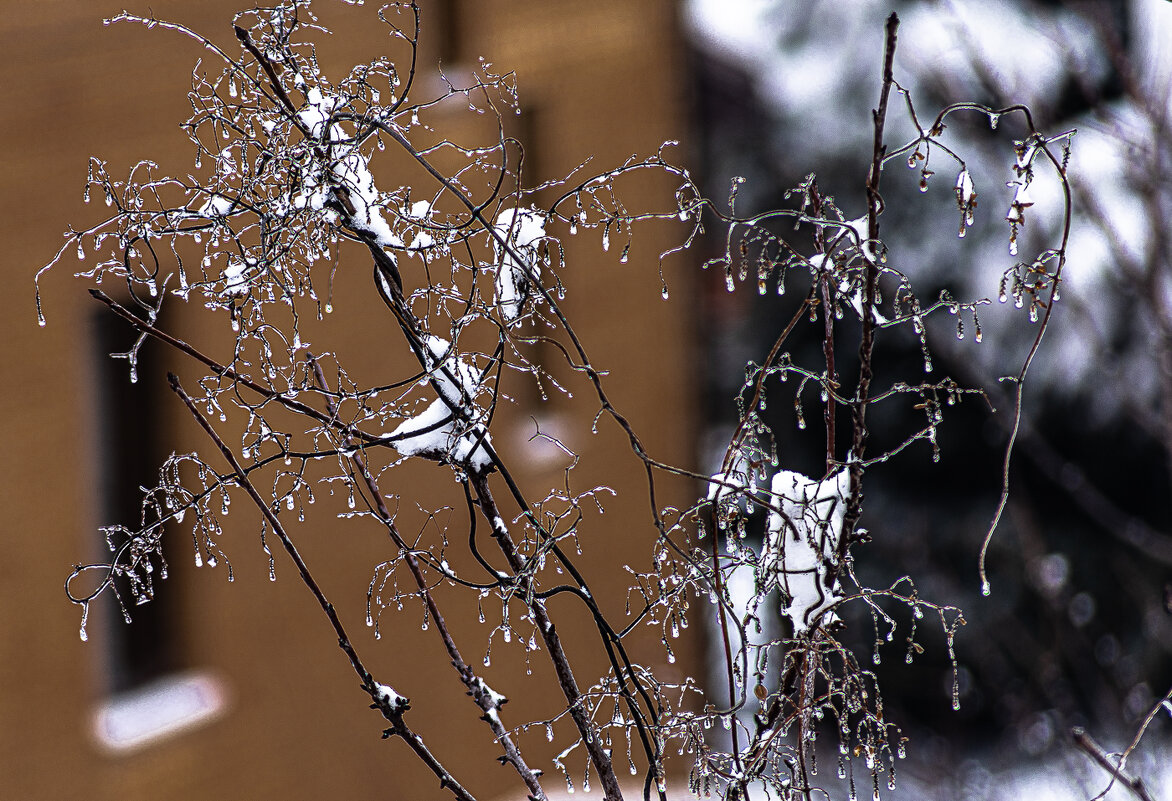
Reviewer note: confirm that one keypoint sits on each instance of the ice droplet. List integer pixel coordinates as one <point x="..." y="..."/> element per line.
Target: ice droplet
<point x="985" y="590"/>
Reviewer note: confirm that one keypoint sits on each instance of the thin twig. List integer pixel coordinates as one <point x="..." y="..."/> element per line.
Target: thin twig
<point x="392" y="712"/>
<point x="488" y="702"/>
<point x="1088" y="746"/>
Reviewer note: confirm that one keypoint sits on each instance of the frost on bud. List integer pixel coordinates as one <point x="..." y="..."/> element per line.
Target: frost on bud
<point x="1022" y="199"/>
<point x="389" y="701"/>
<point x="966" y="199"/>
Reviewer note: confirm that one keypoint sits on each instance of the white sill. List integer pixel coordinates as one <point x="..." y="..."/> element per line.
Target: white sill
<point x="157" y="711"/>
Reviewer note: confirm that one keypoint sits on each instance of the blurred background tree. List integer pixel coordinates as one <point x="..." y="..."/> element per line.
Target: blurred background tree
<point x="1077" y="630"/>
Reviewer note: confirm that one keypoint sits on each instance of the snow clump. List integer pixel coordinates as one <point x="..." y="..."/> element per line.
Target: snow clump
<point x="522" y="229"/>
<point x="441" y="431"/>
<point x="804" y="528"/>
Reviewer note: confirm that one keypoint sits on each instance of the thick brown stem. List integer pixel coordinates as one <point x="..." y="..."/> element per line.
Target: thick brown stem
<point x="599" y="756"/>
<point x="871" y="252"/>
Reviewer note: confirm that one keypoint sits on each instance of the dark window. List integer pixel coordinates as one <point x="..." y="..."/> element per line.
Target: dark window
<point x="450" y="39"/>
<point x="129" y="455"/>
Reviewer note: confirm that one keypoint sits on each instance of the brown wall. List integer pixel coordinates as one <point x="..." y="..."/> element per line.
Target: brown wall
<point x="604" y="79"/>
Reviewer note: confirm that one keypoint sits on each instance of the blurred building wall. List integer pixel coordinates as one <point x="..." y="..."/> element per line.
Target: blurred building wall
<point x="600" y="78"/>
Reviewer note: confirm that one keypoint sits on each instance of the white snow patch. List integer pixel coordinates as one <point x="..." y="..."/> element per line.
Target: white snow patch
<point x="351" y="170"/>
<point x="389" y="698"/>
<point x="522" y="229"/>
<point x="803" y="534"/>
<point x="235" y="280"/>
<point x="420" y="212"/>
<point x="216" y="206"/>
<point x="440" y="432"/>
